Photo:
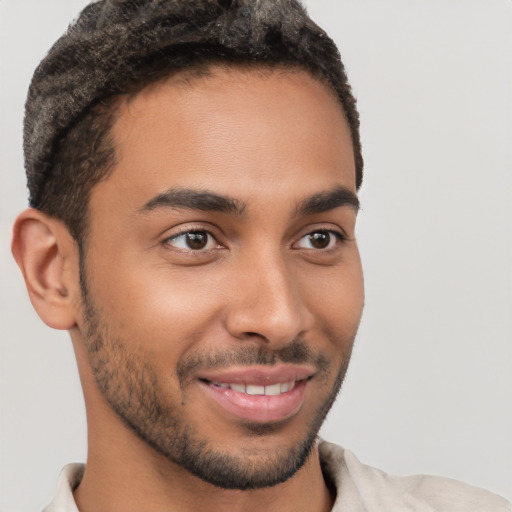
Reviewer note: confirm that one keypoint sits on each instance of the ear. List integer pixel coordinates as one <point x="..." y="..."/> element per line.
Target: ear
<point x="48" y="258"/>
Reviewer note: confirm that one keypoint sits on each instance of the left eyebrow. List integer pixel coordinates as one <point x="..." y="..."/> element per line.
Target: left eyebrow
<point x="328" y="200"/>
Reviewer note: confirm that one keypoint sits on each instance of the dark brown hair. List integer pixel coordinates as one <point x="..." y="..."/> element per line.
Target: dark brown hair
<point x="117" y="47"/>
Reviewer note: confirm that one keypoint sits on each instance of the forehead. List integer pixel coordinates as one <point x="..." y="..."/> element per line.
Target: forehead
<point x="246" y="130"/>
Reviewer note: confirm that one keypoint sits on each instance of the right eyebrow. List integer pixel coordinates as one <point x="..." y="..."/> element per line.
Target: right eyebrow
<point x="191" y="199"/>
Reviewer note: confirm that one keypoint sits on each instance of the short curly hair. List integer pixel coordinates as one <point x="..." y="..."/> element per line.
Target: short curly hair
<point x="117" y="47"/>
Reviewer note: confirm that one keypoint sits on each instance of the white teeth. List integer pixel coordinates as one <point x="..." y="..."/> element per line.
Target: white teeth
<point x="287" y="386"/>
<point x="255" y="390"/>
<point x="251" y="389"/>
<point x="273" y="390"/>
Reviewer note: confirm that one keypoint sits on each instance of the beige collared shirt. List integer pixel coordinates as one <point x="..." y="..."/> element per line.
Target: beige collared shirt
<point x="359" y="488"/>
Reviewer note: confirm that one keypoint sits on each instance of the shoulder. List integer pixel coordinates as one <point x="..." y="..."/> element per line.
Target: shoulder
<point x="368" y="489"/>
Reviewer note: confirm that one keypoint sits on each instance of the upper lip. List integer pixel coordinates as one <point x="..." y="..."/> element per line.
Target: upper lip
<point x="259" y="375"/>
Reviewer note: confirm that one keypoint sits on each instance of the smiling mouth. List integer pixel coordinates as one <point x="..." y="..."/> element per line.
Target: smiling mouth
<point x="256" y="402"/>
<point x="251" y="389"/>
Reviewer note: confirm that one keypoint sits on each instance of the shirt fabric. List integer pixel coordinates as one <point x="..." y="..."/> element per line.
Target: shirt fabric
<point x="359" y="488"/>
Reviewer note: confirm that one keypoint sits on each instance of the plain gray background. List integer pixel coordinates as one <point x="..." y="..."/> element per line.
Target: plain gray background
<point x="430" y="385"/>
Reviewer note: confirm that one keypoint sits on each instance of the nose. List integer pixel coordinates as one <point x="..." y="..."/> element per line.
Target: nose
<point x="266" y="303"/>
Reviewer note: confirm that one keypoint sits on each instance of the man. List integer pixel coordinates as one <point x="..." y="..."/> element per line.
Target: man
<point x="193" y="170"/>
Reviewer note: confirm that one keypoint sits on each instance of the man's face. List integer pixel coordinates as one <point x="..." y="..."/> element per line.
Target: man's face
<point x="222" y="284"/>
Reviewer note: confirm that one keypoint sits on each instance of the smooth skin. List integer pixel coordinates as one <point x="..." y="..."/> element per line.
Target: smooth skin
<point x="168" y="283"/>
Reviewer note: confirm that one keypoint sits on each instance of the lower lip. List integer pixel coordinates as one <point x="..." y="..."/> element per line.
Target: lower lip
<point x="259" y="408"/>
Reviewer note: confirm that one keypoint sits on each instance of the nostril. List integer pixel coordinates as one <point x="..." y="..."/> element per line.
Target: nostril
<point x="252" y="335"/>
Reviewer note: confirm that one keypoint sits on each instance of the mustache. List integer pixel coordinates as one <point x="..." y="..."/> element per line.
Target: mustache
<point x="296" y="352"/>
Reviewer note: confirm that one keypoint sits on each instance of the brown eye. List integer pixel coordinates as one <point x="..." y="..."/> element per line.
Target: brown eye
<point x="196" y="240"/>
<point x="319" y="240"/>
<point x="192" y="241"/>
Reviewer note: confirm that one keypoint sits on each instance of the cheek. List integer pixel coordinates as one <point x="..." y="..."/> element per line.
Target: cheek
<point x="335" y="296"/>
<point x="161" y="308"/>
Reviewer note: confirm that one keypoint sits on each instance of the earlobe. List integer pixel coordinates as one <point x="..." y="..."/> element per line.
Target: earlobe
<point x="48" y="258"/>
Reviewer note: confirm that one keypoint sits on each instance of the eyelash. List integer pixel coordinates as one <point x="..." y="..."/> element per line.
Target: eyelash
<point x="339" y="236"/>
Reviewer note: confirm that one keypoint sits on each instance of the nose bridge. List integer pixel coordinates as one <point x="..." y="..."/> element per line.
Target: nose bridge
<point x="266" y="301"/>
